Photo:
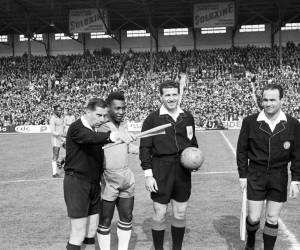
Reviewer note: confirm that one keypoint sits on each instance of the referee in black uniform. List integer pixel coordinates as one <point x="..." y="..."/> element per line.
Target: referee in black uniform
<point x="83" y="169"/>
<point x="166" y="178"/>
<point x="268" y="141"/>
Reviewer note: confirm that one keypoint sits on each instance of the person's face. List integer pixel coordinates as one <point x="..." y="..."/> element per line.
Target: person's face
<point x="271" y="101"/>
<point x="97" y="117"/>
<point x="117" y="110"/>
<point x="58" y="111"/>
<point x="170" y="98"/>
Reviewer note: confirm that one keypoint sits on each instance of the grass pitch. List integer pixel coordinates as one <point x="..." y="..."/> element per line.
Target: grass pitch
<point x="33" y="213"/>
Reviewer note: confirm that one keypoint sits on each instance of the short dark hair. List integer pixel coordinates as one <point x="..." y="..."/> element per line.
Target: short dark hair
<point x="168" y="85"/>
<point x="96" y="102"/>
<point x="55" y="107"/>
<point x="274" y="87"/>
<point x="116" y="95"/>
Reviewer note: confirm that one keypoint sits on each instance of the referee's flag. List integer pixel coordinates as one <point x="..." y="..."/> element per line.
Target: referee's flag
<point x="243" y="216"/>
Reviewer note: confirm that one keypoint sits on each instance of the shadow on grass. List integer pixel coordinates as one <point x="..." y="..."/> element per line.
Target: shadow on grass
<point x="228" y="228"/>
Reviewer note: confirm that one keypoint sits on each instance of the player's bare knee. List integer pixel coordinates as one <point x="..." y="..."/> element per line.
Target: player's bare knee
<point x="179" y="212"/>
<point x="272" y="218"/>
<point x="253" y="218"/>
<point x="160" y="214"/>
<point x="179" y="215"/>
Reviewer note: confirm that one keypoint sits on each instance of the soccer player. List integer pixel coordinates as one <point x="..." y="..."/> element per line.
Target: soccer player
<point x="68" y="120"/>
<point x="83" y="170"/>
<point x="166" y="178"/>
<point x="117" y="182"/>
<point x="268" y="141"/>
<point x="57" y="131"/>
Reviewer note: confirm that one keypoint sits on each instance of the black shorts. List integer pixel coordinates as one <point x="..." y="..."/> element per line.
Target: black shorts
<point x="173" y="180"/>
<point x="272" y="185"/>
<point x="82" y="197"/>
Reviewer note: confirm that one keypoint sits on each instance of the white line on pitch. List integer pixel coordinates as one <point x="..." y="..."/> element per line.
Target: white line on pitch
<point x="30" y="180"/>
<point x="289" y="235"/>
<point x="295" y="245"/>
<point x="228" y="143"/>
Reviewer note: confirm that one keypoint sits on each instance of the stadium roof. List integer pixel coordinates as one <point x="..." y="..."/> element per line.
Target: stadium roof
<point x="15" y="15"/>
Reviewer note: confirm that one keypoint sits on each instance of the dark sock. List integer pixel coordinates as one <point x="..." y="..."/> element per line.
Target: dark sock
<point x="251" y="231"/>
<point x="89" y="241"/>
<point x="72" y="247"/>
<point x="177" y="237"/>
<point x="158" y="239"/>
<point x="270" y="236"/>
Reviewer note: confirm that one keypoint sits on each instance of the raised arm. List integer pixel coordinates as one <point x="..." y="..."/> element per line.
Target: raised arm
<point x="146" y="148"/>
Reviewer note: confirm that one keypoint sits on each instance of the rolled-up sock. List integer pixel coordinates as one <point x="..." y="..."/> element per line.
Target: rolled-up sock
<point x="124" y="233"/>
<point x="103" y="236"/>
<point x="177" y="230"/>
<point x="270" y="236"/>
<point x="54" y="167"/>
<point x="158" y="233"/>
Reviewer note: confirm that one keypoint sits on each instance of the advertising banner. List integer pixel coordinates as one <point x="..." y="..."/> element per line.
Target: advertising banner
<point x="218" y="14"/>
<point x="31" y="129"/>
<point x="7" y="129"/>
<point x="87" y="20"/>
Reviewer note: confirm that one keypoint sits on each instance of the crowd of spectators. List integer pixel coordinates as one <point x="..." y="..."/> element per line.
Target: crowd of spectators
<point x="220" y="84"/>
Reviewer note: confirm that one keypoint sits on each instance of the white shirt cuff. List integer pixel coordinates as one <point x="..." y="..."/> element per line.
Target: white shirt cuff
<point x="295" y="182"/>
<point x="113" y="136"/>
<point x="148" y="172"/>
<point x="243" y="179"/>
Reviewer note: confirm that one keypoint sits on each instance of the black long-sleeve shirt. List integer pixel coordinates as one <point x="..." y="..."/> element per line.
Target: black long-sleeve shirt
<point x="260" y="149"/>
<point x="177" y="137"/>
<point x="84" y="154"/>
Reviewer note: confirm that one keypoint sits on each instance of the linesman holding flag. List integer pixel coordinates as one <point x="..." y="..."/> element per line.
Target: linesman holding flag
<point x="268" y="141"/>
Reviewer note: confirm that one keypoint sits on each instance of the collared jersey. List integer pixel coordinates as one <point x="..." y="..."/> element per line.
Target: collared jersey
<point x="262" y="117"/>
<point x="115" y="157"/>
<point x="177" y="137"/>
<point x="164" y="111"/>
<point x="261" y="149"/>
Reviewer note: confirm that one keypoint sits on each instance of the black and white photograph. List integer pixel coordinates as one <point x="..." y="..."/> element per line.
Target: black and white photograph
<point x="150" y="124"/>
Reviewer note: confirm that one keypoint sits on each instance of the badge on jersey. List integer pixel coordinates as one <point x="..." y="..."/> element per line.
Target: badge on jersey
<point x="286" y="145"/>
<point x="190" y="132"/>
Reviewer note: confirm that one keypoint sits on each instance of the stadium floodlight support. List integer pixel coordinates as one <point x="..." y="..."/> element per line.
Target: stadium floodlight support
<point x="281" y="7"/>
<point x="236" y="20"/>
<point x="152" y="30"/>
<point x="101" y="5"/>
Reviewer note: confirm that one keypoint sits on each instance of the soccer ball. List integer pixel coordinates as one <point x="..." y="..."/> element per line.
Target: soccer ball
<point x="192" y="158"/>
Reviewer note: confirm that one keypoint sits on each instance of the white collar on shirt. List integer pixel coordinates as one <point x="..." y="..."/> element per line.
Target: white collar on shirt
<point x="164" y="111"/>
<point x="262" y="117"/>
<point x="85" y="123"/>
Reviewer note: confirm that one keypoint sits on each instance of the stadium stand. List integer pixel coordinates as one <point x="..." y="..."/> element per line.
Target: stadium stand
<point x="220" y="84"/>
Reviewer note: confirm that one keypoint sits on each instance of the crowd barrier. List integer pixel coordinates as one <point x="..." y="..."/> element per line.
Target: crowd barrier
<point x="132" y="127"/>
